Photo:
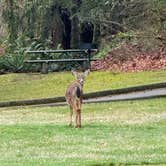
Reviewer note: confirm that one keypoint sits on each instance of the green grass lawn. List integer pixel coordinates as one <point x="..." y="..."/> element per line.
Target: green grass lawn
<point x="127" y="133"/>
<point x="31" y="86"/>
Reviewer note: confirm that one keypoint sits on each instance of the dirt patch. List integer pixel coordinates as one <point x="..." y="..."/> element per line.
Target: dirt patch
<point x="27" y="77"/>
<point x="131" y="58"/>
<point x="128" y="117"/>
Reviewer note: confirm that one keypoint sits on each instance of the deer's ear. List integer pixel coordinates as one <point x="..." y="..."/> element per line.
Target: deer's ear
<point x="86" y="73"/>
<point x="74" y="73"/>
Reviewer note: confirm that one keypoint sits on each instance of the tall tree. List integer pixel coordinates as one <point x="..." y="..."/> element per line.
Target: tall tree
<point x="11" y="17"/>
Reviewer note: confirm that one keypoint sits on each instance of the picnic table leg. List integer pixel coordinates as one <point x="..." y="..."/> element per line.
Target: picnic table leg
<point x="44" y="69"/>
<point x="89" y="59"/>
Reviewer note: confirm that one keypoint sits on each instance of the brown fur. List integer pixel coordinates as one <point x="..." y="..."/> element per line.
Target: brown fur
<point x="74" y="97"/>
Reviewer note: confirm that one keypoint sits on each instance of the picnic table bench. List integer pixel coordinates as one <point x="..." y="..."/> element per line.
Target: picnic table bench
<point x="45" y="62"/>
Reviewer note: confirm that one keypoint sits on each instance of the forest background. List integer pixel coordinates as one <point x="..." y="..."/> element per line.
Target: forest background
<point x="62" y="24"/>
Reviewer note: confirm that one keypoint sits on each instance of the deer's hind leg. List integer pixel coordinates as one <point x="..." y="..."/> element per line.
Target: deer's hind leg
<point x="79" y="118"/>
<point x="76" y="119"/>
<point x="71" y="114"/>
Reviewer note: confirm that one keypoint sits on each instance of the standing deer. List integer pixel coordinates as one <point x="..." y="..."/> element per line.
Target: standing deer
<point x="74" y="96"/>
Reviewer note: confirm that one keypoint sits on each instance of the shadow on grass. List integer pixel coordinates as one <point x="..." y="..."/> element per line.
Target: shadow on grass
<point x="104" y="164"/>
<point x="128" y="164"/>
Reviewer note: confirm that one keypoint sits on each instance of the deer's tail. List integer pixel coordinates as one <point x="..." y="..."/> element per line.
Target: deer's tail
<point x="78" y="92"/>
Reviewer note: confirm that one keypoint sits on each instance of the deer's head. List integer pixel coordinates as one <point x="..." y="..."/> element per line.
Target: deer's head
<point x="80" y="76"/>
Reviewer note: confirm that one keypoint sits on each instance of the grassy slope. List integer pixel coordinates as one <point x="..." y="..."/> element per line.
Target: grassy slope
<point x="124" y="132"/>
<point x="29" y="86"/>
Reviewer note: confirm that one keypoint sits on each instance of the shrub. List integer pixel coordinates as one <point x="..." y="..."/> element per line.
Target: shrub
<point x="13" y="62"/>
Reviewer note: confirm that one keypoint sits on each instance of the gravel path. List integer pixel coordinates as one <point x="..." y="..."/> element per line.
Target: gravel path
<point x="159" y="92"/>
<point x="130" y="96"/>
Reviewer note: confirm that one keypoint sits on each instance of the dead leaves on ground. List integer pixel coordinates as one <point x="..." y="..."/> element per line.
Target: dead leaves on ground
<point x="130" y="58"/>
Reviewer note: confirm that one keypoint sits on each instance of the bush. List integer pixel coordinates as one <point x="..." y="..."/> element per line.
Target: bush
<point x="13" y="62"/>
<point x="115" y="41"/>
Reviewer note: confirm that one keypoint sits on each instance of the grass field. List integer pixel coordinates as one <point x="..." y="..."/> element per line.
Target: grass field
<point x="31" y="86"/>
<point x="126" y="133"/>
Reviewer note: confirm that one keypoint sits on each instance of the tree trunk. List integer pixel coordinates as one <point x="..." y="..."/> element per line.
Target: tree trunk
<point x="75" y="35"/>
<point x="11" y="24"/>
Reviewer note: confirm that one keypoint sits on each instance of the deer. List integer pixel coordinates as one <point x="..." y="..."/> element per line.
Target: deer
<point x="74" y="96"/>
